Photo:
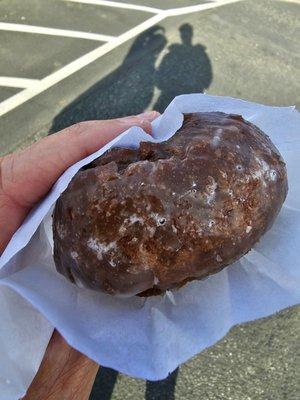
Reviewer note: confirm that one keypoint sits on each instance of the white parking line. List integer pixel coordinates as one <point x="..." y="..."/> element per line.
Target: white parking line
<point x="199" y="7"/>
<point x="292" y="1"/>
<point x="69" y="69"/>
<point x="6" y="26"/>
<point x="118" y="4"/>
<point x="9" y="81"/>
<point x="169" y="12"/>
<point x="75" y="66"/>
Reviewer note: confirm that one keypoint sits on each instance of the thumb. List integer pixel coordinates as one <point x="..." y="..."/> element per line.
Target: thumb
<point x="27" y="175"/>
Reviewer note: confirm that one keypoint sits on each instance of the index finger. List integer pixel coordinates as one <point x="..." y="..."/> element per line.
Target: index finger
<point x="26" y="176"/>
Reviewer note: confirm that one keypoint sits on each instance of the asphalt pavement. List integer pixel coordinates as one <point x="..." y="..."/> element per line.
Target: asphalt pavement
<point x="247" y="49"/>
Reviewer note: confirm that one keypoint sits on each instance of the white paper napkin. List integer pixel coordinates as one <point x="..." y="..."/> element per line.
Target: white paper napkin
<point x="148" y="338"/>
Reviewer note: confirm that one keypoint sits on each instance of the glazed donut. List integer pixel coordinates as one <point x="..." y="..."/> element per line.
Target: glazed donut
<point x="146" y="220"/>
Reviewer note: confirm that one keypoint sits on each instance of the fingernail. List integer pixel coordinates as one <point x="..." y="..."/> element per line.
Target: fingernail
<point x="148" y="115"/>
<point x="140" y="118"/>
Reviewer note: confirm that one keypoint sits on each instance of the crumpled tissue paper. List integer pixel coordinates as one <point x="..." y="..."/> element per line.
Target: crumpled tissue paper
<point x="147" y="338"/>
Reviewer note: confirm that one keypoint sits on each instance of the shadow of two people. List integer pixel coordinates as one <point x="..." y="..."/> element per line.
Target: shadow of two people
<point x="129" y="89"/>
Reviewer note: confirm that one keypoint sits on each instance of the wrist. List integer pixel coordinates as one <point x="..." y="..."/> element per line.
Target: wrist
<point x="64" y="373"/>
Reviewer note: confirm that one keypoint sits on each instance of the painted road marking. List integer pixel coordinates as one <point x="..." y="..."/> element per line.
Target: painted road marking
<point x="69" y="69"/>
<point x="6" y="26"/>
<point x="74" y="66"/>
<point x="199" y="7"/>
<point x="292" y="1"/>
<point x="118" y="4"/>
<point x="169" y="12"/>
<point x="9" y="81"/>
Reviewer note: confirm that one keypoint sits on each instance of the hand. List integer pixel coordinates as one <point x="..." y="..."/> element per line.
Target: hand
<point x="25" y="177"/>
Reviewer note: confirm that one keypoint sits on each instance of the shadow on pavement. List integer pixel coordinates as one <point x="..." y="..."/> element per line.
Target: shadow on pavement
<point x="104" y="384"/>
<point x="184" y="68"/>
<point x="159" y="390"/>
<point x="164" y="389"/>
<point x="125" y="91"/>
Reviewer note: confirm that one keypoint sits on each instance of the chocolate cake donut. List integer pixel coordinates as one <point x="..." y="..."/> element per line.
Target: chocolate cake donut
<point x="142" y="221"/>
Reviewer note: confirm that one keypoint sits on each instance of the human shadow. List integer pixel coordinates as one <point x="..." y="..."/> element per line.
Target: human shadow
<point x="186" y="68"/>
<point x="127" y="90"/>
<point x="104" y="384"/>
<point x="155" y="390"/>
<point x="162" y="390"/>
